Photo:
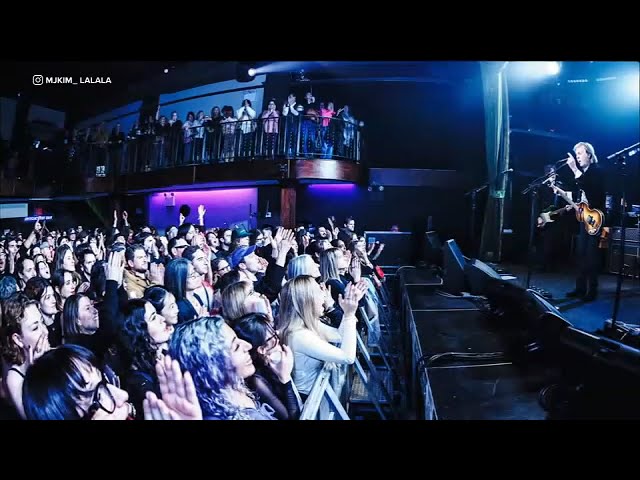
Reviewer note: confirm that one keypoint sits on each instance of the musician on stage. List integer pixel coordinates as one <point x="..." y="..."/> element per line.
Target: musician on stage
<point x="589" y="181"/>
<point x="549" y="235"/>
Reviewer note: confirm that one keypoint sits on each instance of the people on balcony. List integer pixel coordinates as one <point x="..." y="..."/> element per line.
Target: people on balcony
<point x="246" y="128"/>
<point x="228" y="124"/>
<point x="270" y="124"/>
<point x="188" y="137"/>
<point x="291" y="111"/>
<point x="213" y="136"/>
<point x="311" y="129"/>
<point x="198" y="137"/>
<point x="310" y="121"/>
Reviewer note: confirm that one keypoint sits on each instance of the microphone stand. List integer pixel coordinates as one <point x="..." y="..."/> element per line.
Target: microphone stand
<point x="474" y="193"/>
<point x="532" y="189"/>
<point x="623" y="213"/>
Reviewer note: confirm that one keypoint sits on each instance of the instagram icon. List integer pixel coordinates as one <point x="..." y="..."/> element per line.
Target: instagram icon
<point x="38" y="80"/>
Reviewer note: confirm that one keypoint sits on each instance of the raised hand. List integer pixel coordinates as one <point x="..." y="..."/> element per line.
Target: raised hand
<point x="156" y="273"/>
<point x="329" y="302"/>
<point x="179" y="398"/>
<point x="355" y="269"/>
<point x="284" y="367"/>
<point x="349" y="302"/>
<point x="279" y="234"/>
<point x="571" y="162"/>
<point x="42" y="346"/>
<point x="275" y="242"/>
<point x="288" y="238"/>
<point x="201" y="211"/>
<point x="115" y="267"/>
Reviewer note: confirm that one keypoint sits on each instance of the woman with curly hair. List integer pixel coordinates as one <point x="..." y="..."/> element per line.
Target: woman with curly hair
<point x="219" y="362"/>
<point x="23" y="337"/>
<point x="143" y="341"/>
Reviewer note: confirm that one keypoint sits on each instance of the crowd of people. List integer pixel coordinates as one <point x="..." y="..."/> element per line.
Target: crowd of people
<point x="307" y="128"/>
<point x="190" y="323"/>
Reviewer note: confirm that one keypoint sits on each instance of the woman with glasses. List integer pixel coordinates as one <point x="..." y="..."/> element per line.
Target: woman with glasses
<point x="68" y="383"/>
<point x="221" y="266"/>
<point x="181" y="279"/>
<point x="273" y="362"/>
<point x="218" y="361"/>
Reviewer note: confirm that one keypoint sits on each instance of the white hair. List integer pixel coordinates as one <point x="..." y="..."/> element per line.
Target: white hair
<point x="590" y="150"/>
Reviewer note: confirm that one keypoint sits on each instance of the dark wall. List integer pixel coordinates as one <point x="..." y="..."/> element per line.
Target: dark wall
<point x="408" y="207"/>
<point x="410" y="124"/>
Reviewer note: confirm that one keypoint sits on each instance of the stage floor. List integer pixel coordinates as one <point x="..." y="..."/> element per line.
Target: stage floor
<point x="586" y="316"/>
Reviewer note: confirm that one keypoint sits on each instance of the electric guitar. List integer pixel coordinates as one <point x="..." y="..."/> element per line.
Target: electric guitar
<point x="592" y="218"/>
<point x="545" y="217"/>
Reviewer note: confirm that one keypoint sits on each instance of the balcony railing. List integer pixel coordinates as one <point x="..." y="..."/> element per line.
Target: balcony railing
<point x="261" y="139"/>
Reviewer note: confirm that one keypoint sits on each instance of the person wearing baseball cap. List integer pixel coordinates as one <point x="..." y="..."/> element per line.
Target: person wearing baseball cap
<point x="238" y="255"/>
<point x="265" y="276"/>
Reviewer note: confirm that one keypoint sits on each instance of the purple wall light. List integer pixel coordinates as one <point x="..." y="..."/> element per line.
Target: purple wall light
<point x="224" y="207"/>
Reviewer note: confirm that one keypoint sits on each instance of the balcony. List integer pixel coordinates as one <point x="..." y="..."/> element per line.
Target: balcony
<point x="239" y="153"/>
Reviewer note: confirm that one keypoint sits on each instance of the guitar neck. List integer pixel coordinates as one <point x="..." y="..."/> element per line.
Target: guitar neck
<point x="566" y="198"/>
<point x="555" y="212"/>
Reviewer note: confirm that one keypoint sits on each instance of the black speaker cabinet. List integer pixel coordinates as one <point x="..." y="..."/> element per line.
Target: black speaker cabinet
<point x="398" y="247"/>
<point x="631" y="257"/>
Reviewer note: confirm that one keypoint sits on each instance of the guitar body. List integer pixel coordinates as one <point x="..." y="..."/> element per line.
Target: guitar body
<point x="592" y="218"/>
<point x="547" y="217"/>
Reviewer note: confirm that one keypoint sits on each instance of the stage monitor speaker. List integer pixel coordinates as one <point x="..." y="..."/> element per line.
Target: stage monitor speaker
<point x="479" y="275"/>
<point x="453" y="262"/>
<point x="487" y="391"/>
<point x="601" y="378"/>
<point x="603" y="350"/>
<point x="397" y="247"/>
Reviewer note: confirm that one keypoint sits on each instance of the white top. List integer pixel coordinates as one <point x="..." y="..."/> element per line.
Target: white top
<point x="310" y="352"/>
<point x="244" y="114"/>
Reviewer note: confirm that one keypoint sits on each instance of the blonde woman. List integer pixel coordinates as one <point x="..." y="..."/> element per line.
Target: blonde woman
<point x="302" y="304"/>
<point x="303" y="265"/>
<point x="239" y="299"/>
